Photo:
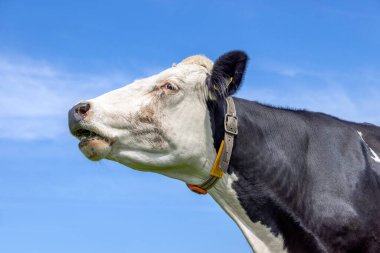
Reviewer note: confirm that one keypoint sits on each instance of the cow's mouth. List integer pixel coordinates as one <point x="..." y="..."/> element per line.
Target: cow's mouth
<point x="93" y="145"/>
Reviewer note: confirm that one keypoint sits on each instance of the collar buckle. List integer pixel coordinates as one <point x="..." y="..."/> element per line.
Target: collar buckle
<point x="231" y="124"/>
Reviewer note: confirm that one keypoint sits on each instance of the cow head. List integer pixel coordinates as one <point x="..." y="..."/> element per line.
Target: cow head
<point x="160" y="123"/>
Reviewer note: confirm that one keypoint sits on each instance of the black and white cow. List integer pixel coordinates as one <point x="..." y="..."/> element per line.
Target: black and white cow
<point x="297" y="181"/>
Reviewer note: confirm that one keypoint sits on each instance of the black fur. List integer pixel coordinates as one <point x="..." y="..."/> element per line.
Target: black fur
<point x="230" y="65"/>
<point x="307" y="176"/>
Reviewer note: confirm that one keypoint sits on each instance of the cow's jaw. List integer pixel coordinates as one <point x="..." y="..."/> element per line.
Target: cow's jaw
<point x="93" y="143"/>
<point x="152" y="130"/>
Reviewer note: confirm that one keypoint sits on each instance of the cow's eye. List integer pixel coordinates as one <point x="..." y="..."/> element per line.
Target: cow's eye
<point x="169" y="87"/>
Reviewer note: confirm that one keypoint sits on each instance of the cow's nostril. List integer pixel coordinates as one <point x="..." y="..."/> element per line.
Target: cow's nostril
<point x="76" y="114"/>
<point x="82" y="108"/>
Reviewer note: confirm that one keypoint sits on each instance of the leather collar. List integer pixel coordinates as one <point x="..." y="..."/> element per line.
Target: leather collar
<point x="223" y="157"/>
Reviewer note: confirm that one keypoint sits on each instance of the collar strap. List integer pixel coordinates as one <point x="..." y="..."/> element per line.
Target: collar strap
<point x="223" y="157"/>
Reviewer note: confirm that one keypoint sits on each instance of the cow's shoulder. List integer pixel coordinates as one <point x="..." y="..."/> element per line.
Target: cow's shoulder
<point x="371" y="134"/>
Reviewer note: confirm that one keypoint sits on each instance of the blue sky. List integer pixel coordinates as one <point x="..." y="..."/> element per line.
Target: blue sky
<point x="319" y="55"/>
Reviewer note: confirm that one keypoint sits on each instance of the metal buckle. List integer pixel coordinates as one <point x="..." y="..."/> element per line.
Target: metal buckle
<point x="231" y="124"/>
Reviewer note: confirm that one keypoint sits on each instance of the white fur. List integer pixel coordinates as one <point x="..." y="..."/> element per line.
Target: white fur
<point x="374" y="156"/>
<point x="181" y="117"/>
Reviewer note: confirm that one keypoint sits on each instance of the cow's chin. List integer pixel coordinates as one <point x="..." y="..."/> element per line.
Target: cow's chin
<point x="95" y="148"/>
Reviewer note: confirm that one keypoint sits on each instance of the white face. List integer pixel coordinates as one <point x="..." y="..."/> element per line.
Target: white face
<point x="160" y="123"/>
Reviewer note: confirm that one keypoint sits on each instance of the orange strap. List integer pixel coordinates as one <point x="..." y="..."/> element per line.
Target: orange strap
<point x="215" y="174"/>
<point x="197" y="189"/>
<point x="216" y="171"/>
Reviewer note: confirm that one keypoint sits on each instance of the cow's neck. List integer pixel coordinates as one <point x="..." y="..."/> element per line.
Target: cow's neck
<point x="258" y="236"/>
<point x="262" y="189"/>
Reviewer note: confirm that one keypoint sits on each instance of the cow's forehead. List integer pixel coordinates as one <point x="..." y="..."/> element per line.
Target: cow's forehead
<point x="200" y="60"/>
<point x="195" y="62"/>
<point x="189" y="68"/>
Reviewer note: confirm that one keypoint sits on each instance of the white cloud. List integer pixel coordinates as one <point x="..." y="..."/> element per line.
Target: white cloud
<point x="35" y="96"/>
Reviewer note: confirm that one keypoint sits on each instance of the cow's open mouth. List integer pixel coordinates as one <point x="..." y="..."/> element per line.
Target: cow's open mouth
<point x="93" y="145"/>
<point x="86" y="135"/>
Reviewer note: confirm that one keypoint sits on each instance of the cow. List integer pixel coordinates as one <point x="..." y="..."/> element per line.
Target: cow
<point x="292" y="180"/>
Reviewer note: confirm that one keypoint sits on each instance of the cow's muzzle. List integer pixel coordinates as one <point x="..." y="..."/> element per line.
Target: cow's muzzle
<point x="93" y="144"/>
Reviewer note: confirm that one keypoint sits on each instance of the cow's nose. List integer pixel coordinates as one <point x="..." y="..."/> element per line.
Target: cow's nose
<point x="77" y="114"/>
<point x="81" y="109"/>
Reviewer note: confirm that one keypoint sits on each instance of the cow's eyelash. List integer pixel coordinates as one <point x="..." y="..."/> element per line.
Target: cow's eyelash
<point x="169" y="86"/>
<point x="167" y="81"/>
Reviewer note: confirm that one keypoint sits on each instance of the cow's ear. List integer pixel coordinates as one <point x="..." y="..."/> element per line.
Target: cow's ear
<point x="227" y="74"/>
